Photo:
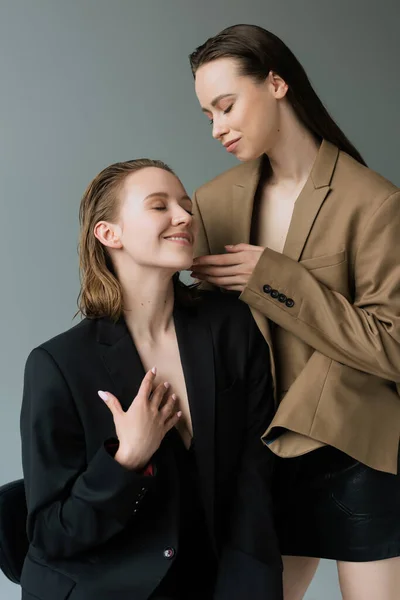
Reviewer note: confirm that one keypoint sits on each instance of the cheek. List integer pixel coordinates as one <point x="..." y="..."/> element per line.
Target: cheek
<point x="140" y="233"/>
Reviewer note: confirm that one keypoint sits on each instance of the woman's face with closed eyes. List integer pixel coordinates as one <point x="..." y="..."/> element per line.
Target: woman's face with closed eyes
<point x="154" y="228"/>
<point x="245" y="114"/>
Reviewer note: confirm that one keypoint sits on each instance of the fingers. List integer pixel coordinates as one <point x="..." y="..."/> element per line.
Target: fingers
<point x="215" y="260"/>
<point x="146" y="386"/>
<point x="238" y="281"/>
<point x="169" y="407"/>
<point x="112" y="402"/>
<point x="214" y="271"/>
<point x="235" y="248"/>
<point x="158" y="394"/>
<point x="172" y="421"/>
<point x="244" y="248"/>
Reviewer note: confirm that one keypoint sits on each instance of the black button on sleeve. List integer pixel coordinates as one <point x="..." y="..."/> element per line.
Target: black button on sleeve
<point x="289" y="303"/>
<point x="267" y="289"/>
<point x="274" y="294"/>
<point x="282" y="298"/>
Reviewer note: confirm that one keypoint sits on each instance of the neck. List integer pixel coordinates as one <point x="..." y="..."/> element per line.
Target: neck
<point x="293" y="155"/>
<point x="148" y="297"/>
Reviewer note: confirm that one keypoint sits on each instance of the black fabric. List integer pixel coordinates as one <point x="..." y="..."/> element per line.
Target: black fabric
<point x="106" y="532"/>
<point x="329" y="505"/>
<point x="196" y="561"/>
<point x="13" y="539"/>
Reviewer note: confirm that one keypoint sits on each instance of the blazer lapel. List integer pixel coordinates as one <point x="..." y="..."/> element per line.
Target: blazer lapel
<point x="121" y="359"/>
<point x="310" y="200"/>
<point x="197" y="357"/>
<point x="243" y="196"/>
<point x="123" y="363"/>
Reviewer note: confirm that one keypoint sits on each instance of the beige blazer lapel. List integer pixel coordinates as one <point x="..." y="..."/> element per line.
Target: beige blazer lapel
<point x="310" y="200"/>
<point x="243" y="196"/>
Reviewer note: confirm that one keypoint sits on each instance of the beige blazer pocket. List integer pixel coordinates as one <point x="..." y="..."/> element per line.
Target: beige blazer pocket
<point x="331" y="270"/>
<point x="321" y="262"/>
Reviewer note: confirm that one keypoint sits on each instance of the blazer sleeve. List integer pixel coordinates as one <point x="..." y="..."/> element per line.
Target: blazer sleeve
<point x="251" y="565"/>
<point x="364" y="334"/>
<point x="72" y="506"/>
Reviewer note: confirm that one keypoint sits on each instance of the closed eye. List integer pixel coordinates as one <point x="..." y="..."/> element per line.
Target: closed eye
<point x="225" y="112"/>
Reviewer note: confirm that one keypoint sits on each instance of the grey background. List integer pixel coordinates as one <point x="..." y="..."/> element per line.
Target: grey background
<point x="85" y="83"/>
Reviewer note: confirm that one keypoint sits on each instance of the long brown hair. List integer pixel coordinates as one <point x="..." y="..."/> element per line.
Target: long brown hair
<point x="101" y="293"/>
<point x="258" y="51"/>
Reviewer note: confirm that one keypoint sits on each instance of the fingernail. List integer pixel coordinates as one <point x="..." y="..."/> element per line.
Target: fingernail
<point x="173" y="396"/>
<point x="179" y="413"/>
<point x="154" y="370"/>
<point x="103" y="395"/>
<point x="229" y="246"/>
<point x="166" y="384"/>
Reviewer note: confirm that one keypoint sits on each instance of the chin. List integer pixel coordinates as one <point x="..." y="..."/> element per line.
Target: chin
<point x="182" y="265"/>
<point x="248" y="156"/>
<point x="186" y="266"/>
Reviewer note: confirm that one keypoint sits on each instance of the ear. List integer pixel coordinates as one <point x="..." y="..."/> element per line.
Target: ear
<point x="279" y="85"/>
<point x="109" y="234"/>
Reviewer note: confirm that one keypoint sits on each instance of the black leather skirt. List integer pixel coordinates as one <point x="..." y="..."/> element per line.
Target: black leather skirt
<point x="328" y="505"/>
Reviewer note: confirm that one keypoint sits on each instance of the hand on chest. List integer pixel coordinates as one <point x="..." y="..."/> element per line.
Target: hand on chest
<point x="166" y="357"/>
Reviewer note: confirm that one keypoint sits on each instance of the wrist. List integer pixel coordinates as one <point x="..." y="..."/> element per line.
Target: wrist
<point x="125" y="459"/>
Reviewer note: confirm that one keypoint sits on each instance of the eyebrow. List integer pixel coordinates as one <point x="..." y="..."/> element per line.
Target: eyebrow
<point x="216" y="100"/>
<point x="164" y="195"/>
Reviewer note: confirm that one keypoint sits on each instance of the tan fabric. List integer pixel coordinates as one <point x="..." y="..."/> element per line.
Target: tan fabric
<point x="337" y="350"/>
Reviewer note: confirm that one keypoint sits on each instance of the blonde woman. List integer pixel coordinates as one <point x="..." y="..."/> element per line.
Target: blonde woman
<point x="145" y="474"/>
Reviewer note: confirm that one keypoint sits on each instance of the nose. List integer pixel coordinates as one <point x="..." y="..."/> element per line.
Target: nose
<point x="181" y="217"/>
<point x="219" y="129"/>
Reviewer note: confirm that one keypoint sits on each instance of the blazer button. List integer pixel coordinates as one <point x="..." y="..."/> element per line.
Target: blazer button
<point x="169" y="553"/>
<point x="274" y="294"/>
<point x="289" y="303"/>
<point x="267" y="289"/>
<point x="282" y="298"/>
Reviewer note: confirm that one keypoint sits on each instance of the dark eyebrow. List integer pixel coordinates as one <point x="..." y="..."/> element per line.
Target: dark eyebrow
<point x="216" y="100"/>
<point x="164" y="195"/>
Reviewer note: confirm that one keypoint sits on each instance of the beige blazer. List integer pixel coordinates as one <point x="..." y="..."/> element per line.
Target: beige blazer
<point x="335" y="304"/>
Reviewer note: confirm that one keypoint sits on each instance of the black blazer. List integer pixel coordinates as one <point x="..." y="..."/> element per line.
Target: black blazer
<point x="100" y="532"/>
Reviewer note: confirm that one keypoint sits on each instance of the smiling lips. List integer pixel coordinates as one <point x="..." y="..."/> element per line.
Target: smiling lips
<point x="231" y="145"/>
<point x="184" y="239"/>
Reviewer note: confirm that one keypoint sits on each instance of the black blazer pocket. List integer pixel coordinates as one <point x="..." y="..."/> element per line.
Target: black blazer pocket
<point x="44" y="583"/>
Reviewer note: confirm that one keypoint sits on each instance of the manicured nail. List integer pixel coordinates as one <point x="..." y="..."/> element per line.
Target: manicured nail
<point x="229" y="246"/>
<point x="154" y="370"/>
<point x="103" y="395"/>
<point x="166" y="384"/>
<point x="179" y="413"/>
<point x="173" y="396"/>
